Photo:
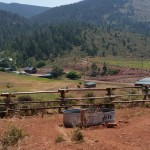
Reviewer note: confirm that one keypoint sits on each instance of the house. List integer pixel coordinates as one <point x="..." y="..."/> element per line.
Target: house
<point x="89" y="84"/>
<point x="30" y="70"/>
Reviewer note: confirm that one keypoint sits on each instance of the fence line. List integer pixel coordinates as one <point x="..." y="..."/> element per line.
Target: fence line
<point x="12" y="106"/>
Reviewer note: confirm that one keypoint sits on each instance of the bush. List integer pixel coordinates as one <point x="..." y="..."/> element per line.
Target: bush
<point x="11" y="136"/>
<point x="59" y="139"/>
<point x="57" y="71"/>
<point x="9" y="85"/>
<point x="113" y="71"/>
<point x="77" y="136"/>
<point x="25" y="98"/>
<point x="91" y="100"/>
<point x="2" y="69"/>
<point x="73" y="75"/>
<point x="40" y="64"/>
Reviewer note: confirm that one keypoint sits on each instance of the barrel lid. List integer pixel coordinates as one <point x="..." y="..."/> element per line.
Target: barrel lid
<point x="72" y="111"/>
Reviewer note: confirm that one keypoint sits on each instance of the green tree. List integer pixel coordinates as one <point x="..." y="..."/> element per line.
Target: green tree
<point x="57" y="71"/>
<point x="104" y="69"/>
<point x="94" y="69"/>
<point x="73" y="75"/>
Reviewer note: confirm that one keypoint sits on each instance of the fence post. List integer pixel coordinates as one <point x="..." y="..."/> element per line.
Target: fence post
<point x="146" y="92"/>
<point x="62" y="95"/>
<point x="82" y="117"/>
<point x="7" y="103"/>
<point x="109" y="93"/>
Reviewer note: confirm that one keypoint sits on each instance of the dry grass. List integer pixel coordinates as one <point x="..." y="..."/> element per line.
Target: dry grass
<point x="29" y="83"/>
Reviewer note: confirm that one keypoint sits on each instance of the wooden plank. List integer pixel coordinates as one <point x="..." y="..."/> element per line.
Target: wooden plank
<point x="88" y="98"/>
<point x="41" y="108"/>
<point x="2" y="104"/>
<point x="82" y="89"/>
<point x="131" y="101"/>
<point x="38" y="102"/>
<point x="36" y="92"/>
<point x="97" y="89"/>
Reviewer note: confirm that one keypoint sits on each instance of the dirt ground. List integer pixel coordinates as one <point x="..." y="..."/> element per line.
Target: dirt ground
<point x="132" y="132"/>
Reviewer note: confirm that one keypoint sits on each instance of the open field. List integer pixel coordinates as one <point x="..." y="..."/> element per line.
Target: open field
<point x="19" y="83"/>
<point x="145" y="64"/>
<point x="132" y="132"/>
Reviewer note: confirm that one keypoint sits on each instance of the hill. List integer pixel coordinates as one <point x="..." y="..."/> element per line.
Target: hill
<point x="133" y="15"/>
<point x="22" y="9"/>
<point x="10" y="27"/>
<point x="50" y="41"/>
<point x="29" y="43"/>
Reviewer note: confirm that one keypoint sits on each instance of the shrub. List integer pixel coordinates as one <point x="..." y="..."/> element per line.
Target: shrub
<point x="91" y="100"/>
<point x="40" y="64"/>
<point x="59" y="139"/>
<point x="113" y="71"/>
<point x="57" y="71"/>
<point x="2" y="69"/>
<point x="73" y="75"/>
<point x="9" y="85"/>
<point x="77" y="136"/>
<point x="11" y="136"/>
<point x="25" y="98"/>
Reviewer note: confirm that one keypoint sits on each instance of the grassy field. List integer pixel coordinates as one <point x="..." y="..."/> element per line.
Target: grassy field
<point x="19" y="83"/>
<point x="123" y="62"/>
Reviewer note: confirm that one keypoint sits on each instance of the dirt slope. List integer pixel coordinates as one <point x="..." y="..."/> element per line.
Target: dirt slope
<point x="132" y="133"/>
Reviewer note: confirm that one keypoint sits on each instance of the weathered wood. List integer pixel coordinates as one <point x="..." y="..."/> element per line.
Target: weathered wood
<point x="36" y="92"/>
<point x="131" y="101"/>
<point x="37" y="102"/>
<point x="10" y="105"/>
<point x="99" y="89"/>
<point x="88" y="98"/>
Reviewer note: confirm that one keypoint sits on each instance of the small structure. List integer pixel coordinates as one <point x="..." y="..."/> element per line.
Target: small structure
<point x="48" y="75"/>
<point x="89" y="84"/>
<point x="143" y="82"/>
<point x="30" y="70"/>
<point x="9" y="69"/>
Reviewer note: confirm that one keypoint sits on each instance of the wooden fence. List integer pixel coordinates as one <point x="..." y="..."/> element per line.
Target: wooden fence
<point x="65" y="102"/>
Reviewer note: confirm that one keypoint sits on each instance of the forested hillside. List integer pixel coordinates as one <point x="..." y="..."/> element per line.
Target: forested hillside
<point x="22" y="9"/>
<point x="131" y="15"/>
<point x="86" y="29"/>
<point x="48" y="42"/>
<point x="11" y="25"/>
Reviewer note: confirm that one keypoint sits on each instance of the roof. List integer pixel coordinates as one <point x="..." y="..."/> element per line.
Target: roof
<point x="144" y="81"/>
<point x="48" y="75"/>
<point x="29" y="68"/>
<point x="90" y="83"/>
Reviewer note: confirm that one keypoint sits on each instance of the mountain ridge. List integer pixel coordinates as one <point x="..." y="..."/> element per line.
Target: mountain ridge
<point x="125" y="14"/>
<point x="23" y="9"/>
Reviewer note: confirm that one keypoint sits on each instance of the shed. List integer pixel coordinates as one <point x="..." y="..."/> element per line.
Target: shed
<point x="31" y="70"/>
<point x="9" y="69"/>
<point x="48" y="75"/>
<point x="89" y="84"/>
<point x="143" y="82"/>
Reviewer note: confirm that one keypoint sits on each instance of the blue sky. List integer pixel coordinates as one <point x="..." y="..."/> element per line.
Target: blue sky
<point x="47" y="3"/>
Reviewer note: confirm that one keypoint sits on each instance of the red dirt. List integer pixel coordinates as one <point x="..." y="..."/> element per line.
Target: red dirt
<point x="132" y="132"/>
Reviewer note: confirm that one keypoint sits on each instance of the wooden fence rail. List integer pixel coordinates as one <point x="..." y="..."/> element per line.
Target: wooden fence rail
<point x="65" y="102"/>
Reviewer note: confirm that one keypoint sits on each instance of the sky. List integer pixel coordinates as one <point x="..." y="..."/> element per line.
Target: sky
<point x="47" y="3"/>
